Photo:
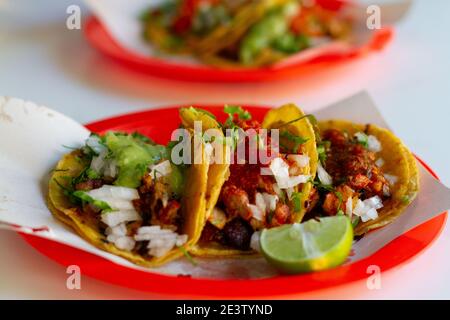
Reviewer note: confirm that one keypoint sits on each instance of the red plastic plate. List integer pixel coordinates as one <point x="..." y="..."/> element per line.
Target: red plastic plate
<point x="100" y="39"/>
<point x="159" y="124"/>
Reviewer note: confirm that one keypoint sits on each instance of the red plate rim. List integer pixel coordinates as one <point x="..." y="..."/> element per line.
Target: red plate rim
<point x="99" y="38"/>
<point x="393" y="255"/>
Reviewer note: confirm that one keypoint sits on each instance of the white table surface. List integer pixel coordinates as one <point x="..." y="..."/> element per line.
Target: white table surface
<point x="42" y="61"/>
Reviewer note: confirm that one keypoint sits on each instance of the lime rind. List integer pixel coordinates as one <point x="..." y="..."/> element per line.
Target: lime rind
<point x="311" y="246"/>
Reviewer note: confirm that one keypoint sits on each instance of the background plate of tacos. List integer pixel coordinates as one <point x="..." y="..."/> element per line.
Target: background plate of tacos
<point x="118" y="33"/>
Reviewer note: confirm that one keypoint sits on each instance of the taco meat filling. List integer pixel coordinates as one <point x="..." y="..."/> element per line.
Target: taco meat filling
<point x="349" y="179"/>
<point x="256" y="196"/>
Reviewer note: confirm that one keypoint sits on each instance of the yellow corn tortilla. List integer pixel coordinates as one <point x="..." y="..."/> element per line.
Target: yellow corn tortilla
<point x="193" y="209"/>
<point x="399" y="162"/>
<point x="274" y="119"/>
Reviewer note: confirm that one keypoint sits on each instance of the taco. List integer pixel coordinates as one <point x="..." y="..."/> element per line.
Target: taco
<point x="264" y="193"/>
<point x="364" y="172"/>
<point x="123" y="194"/>
<point x="241" y="33"/>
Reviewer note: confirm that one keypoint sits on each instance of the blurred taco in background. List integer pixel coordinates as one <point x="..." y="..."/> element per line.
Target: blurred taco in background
<point x="364" y="172"/>
<point x="122" y="193"/>
<point x="264" y="193"/>
<point x="241" y="33"/>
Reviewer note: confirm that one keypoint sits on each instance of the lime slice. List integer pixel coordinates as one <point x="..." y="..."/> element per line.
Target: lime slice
<point x="310" y="246"/>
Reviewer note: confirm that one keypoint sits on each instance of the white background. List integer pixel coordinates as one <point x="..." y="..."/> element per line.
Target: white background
<point x="42" y="61"/>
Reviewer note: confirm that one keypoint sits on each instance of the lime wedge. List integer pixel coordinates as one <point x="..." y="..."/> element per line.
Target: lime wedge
<point x="310" y="246"/>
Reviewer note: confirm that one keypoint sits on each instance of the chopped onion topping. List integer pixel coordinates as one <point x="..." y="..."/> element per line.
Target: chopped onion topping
<point x="349" y="207"/>
<point x="254" y="241"/>
<point x="108" y="191"/>
<point x="373" y="144"/>
<point x="374" y="202"/>
<point x="260" y="202"/>
<point x="367" y="209"/>
<point x="266" y="202"/>
<point x="218" y="218"/>
<point x="301" y="160"/>
<point x="380" y="162"/>
<point x="114" y="218"/>
<point x="161" y="241"/>
<point x="270" y="201"/>
<point x="119" y="230"/>
<point x="117" y="204"/>
<point x="257" y="213"/>
<point x="125" y="243"/>
<point x="323" y="175"/>
<point x="161" y="169"/>
<point x="110" y="169"/>
<point x="95" y="144"/>
<point x="391" y="179"/>
<point x="280" y="170"/>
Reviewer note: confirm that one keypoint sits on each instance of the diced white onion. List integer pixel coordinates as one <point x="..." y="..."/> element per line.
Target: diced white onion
<point x="95" y="144"/>
<point x="112" y="219"/>
<point x="108" y="191"/>
<point x="119" y="230"/>
<point x="118" y="204"/>
<point x="371" y="214"/>
<point x="349" y="207"/>
<point x="218" y="218"/>
<point x="374" y="202"/>
<point x="280" y="169"/>
<point x="374" y="144"/>
<point x="98" y="162"/>
<point x="296" y="180"/>
<point x="367" y="209"/>
<point x="391" y="179"/>
<point x="260" y="202"/>
<point x="323" y="175"/>
<point x="380" y="162"/>
<point x="257" y="213"/>
<point x="110" y="169"/>
<point x="161" y="241"/>
<point x="161" y="169"/>
<point x="301" y="160"/>
<point x="270" y="201"/>
<point x="165" y="199"/>
<point x="254" y="241"/>
<point x="125" y="243"/>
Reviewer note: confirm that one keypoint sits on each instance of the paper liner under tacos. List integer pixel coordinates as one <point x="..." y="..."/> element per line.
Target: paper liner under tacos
<point x="398" y="161"/>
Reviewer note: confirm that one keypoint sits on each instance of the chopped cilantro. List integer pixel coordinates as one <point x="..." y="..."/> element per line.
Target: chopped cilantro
<point x="188" y="256"/>
<point x="233" y="110"/>
<point x="297" y="140"/>
<point x="322" y="150"/>
<point x="355" y="221"/>
<point x="362" y="139"/>
<point x="297" y="201"/>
